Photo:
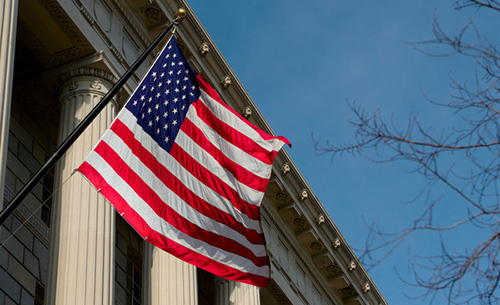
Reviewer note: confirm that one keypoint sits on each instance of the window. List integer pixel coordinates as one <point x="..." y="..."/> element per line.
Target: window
<point x="128" y="264"/>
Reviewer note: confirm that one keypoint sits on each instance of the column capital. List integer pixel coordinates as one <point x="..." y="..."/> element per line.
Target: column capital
<point x="88" y="79"/>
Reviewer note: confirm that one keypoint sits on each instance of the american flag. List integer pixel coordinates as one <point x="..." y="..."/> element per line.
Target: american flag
<point x="188" y="172"/>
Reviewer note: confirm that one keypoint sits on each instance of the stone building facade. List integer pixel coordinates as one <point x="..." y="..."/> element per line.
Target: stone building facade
<point x="65" y="244"/>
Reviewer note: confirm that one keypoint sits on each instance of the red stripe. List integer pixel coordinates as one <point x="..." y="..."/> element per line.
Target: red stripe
<point x="214" y="182"/>
<point x="200" y="172"/>
<point x="233" y="136"/>
<point x="240" y="173"/>
<point x="173" y="183"/>
<point x="210" y="91"/>
<point x="163" y="210"/>
<point x="161" y="241"/>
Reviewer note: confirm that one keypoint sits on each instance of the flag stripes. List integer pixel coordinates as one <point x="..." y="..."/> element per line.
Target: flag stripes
<point x="182" y="183"/>
<point x="188" y="172"/>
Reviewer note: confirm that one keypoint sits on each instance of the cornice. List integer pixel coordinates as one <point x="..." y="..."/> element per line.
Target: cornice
<point x="271" y="216"/>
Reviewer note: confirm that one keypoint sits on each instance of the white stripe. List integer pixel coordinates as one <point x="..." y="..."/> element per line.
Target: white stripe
<point x="233" y="152"/>
<point x="161" y="226"/>
<point x="192" y="148"/>
<point x="246" y="193"/>
<point x="228" y="117"/>
<point x="170" y="198"/>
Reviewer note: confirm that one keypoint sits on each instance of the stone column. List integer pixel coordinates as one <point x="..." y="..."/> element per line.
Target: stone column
<point x="233" y="293"/>
<point x="171" y="280"/>
<point x="8" y="25"/>
<point x="81" y="267"/>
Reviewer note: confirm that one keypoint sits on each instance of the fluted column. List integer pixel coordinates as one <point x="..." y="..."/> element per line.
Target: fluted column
<point x="83" y="234"/>
<point x="8" y="22"/>
<point x="234" y="293"/>
<point x="171" y="280"/>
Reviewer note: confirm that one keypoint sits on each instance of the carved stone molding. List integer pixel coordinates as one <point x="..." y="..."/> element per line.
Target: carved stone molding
<point x="316" y="246"/>
<point x="333" y="269"/>
<point x="247" y="112"/>
<point x="226" y="82"/>
<point x="303" y="195"/>
<point x="87" y="72"/>
<point x="204" y="49"/>
<point x="299" y="222"/>
<point x="366" y="287"/>
<point x="76" y="45"/>
<point x="347" y="292"/>
<point x="352" y="265"/>
<point x="281" y="197"/>
<point x="286" y="168"/>
<point x="85" y="79"/>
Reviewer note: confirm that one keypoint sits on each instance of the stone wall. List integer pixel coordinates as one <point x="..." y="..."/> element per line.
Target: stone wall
<point x="24" y="256"/>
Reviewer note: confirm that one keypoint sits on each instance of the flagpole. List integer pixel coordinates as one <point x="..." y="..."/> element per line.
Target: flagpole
<point x="28" y="187"/>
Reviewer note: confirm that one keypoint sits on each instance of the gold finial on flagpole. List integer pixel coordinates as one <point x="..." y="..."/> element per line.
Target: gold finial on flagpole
<point x="181" y="13"/>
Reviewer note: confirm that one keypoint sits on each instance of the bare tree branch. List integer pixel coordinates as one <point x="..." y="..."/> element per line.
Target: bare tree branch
<point x="464" y="160"/>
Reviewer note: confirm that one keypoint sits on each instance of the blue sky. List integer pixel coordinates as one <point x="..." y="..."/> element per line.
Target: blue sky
<point x="302" y="61"/>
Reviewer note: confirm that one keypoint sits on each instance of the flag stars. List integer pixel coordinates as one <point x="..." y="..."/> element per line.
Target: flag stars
<point x="168" y="92"/>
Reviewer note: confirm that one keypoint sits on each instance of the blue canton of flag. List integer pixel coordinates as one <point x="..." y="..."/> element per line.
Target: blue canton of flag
<point x="164" y="96"/>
